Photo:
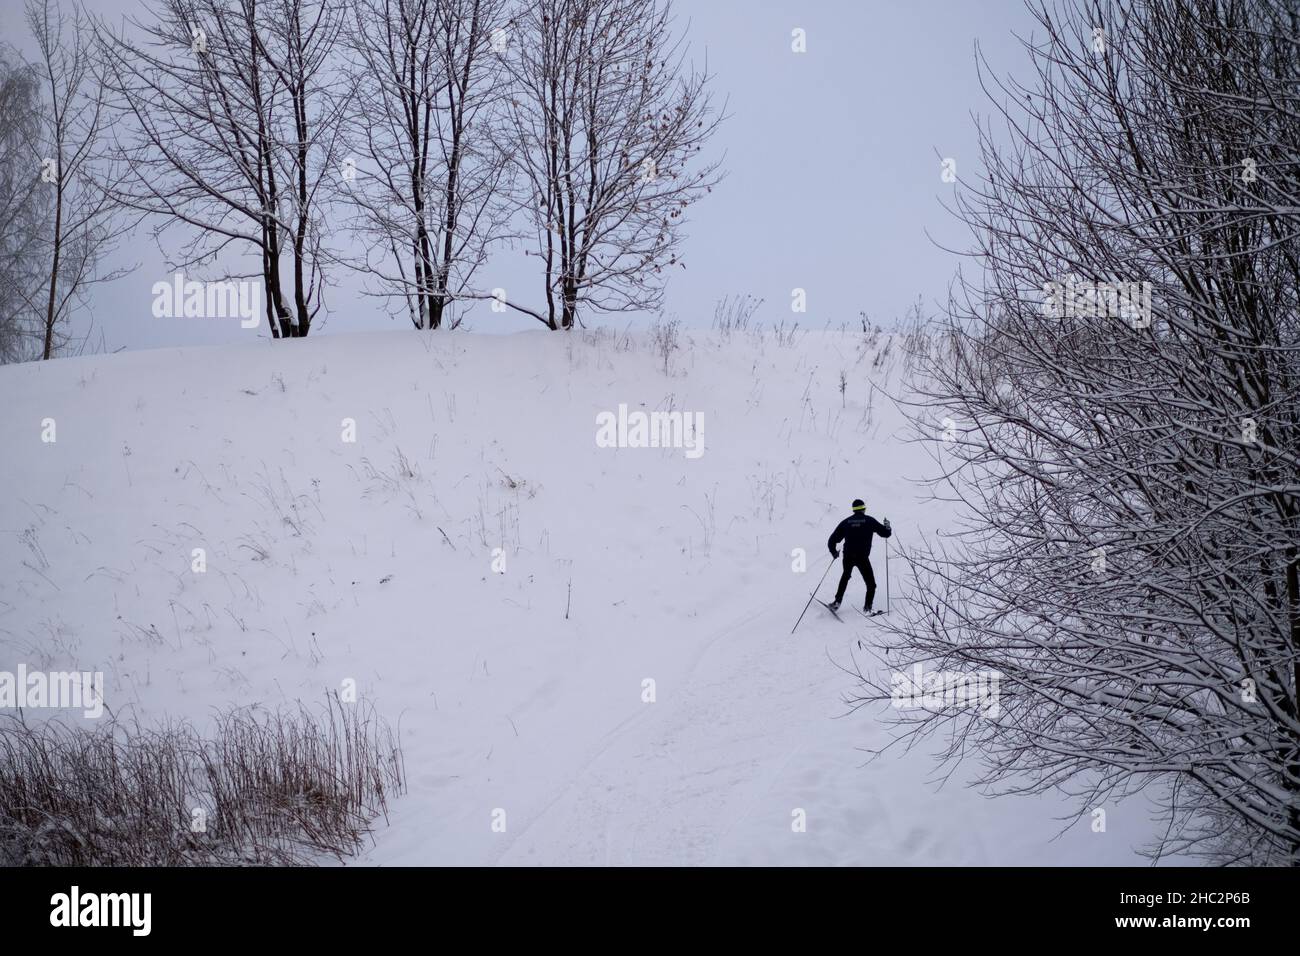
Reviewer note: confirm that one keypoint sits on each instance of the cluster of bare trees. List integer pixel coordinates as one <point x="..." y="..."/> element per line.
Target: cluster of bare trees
<point x="1129" y="478"/>
<point x="571" y="126"/>
<point x="57" y="221"/>
<point x="22" y="209"/>
<point x="280" y="141"/>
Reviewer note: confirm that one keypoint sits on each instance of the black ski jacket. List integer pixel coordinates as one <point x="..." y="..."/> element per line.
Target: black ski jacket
<point x="856" y="531"/>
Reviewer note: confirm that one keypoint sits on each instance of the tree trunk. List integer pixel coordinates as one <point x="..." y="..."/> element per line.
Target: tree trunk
<point x="50" y="311"/>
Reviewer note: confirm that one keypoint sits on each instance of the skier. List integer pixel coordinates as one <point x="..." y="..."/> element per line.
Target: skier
<point x="856" y="531"/>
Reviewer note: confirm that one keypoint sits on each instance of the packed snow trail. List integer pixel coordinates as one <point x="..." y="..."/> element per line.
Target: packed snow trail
<point x="501" y="586"/>
<point x="715" y="770"/>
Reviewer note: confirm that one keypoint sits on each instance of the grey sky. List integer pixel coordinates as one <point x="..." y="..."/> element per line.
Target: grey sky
<point x="833" y="160"/>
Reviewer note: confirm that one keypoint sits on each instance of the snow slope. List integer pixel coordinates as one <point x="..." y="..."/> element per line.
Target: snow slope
<point x="522" y="691"/>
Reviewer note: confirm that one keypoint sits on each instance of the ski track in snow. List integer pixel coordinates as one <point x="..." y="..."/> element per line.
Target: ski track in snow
<point x="327" y="561"/>
<point x="636" y="775"/>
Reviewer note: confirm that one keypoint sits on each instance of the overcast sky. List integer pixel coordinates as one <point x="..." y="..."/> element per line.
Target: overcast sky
<point x="833" y="160"/>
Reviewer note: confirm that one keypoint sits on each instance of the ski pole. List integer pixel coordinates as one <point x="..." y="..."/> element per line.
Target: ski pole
<point x="813" y="594"/>
<point x="886" y="575"/>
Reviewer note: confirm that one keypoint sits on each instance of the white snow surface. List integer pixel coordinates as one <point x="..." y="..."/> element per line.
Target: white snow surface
<point x="327" y="561"/>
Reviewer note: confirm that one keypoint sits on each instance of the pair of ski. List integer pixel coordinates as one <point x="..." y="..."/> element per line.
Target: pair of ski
<point x="835" y="614"/>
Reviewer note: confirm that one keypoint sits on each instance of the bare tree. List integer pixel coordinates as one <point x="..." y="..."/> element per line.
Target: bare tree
<point x="85" y="222"/>
<point x="427" y="92"/>
<point x="1121" y="390"/>
<point x="607" y="122"/>
<point x="299" y="43"/>
<point x="24" y="209"/>
<point x="231" y="107"/>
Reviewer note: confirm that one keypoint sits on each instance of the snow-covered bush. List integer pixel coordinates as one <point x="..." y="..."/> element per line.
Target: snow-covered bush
<point x="1128" y="558"/>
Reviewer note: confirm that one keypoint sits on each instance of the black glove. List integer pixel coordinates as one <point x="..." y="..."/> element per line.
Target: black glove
<point x="834" y="553"/>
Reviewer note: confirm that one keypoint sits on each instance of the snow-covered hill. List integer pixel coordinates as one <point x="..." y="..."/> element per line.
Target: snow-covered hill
<point x="518" y="676"/>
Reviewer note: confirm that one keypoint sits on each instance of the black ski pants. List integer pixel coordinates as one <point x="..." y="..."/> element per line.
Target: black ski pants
<point x="863" y="564"/>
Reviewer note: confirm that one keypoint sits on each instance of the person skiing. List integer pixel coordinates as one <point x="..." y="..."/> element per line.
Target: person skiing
<point x="856" y="531"/>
